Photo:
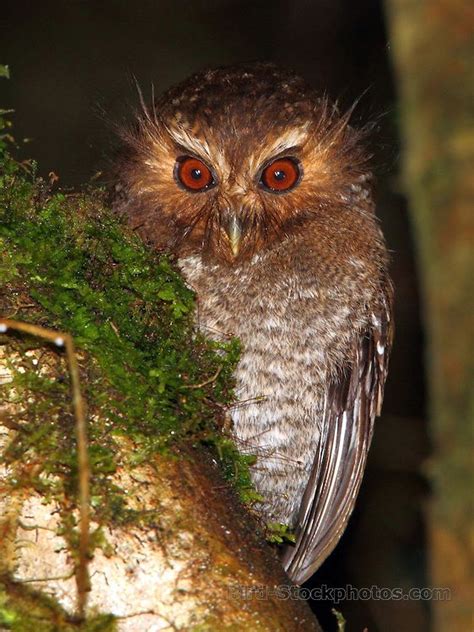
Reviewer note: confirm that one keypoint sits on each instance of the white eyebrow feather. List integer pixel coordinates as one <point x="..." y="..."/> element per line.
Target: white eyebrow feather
<point x="183" y="137"/>
<point x="291" y="138"/>
<point x="287" y="140"/>
<point x="199" y="147"/>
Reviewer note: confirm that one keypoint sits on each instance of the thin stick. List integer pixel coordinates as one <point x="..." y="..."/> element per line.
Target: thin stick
<point x="65" y="340"/>
<point x="213" y="378"/>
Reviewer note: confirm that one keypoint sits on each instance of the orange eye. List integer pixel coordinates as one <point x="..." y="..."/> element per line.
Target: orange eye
<point x="281" y="175"/>
<point x="193" y="174"/>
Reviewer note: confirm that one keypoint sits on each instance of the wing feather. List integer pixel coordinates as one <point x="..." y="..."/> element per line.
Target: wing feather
<point x="352" y="403"/>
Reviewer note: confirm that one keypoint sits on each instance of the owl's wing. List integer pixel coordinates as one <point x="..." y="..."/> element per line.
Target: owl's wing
<point x="352" y="403"/>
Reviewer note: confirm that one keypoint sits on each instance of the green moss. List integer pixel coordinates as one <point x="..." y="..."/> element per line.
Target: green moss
<point x="23" y="610"/>
<point x="236" y="468"/>
<point x="83" y="272"/>
<point x="278" y="533"/>
<point x="341" y="622"/>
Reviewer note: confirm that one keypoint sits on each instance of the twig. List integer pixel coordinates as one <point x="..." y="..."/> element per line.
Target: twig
<point x="65" y="340"/>
<point x="206" y="382"/>
<point x="52" y="578"/>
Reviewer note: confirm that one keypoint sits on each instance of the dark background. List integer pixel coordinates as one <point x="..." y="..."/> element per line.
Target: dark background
<point x="72" y="65"/>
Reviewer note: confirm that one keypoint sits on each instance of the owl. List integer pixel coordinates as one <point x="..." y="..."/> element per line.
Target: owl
<point x="261" y="190"/>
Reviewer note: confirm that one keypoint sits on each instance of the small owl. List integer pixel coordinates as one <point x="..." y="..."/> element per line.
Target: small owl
<point x="261" y="190"/>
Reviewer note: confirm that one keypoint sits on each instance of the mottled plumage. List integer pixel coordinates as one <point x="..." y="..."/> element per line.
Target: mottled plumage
<point x="290" y="259"/>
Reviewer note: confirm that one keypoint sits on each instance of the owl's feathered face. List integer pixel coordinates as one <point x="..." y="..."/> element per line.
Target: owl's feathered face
<point x="236" y="160"/>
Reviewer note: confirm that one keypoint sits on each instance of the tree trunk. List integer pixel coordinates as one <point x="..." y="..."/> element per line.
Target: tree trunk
<point x="433" y="52"/>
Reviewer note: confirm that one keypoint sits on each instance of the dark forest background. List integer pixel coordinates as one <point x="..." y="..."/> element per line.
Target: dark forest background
<point x="72" y="68"/>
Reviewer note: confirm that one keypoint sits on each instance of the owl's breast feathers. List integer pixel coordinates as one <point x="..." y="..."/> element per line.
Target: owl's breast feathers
<point x="309" y="380"/>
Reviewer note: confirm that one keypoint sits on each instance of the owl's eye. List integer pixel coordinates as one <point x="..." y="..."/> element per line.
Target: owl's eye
<point x="193" y="174"/>
<point x="281" y="175"/>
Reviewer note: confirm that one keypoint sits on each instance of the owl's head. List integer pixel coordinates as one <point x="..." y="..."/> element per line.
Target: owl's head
<point x="238" y="159"/>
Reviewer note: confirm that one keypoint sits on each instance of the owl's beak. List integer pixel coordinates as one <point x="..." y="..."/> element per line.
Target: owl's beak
<point x="233" y="230"/>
